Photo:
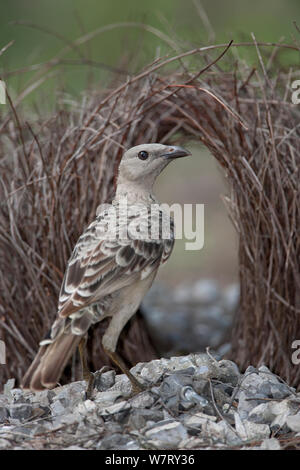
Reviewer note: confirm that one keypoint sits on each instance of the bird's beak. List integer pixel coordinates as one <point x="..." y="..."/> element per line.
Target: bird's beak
<point x="176" y="152"/>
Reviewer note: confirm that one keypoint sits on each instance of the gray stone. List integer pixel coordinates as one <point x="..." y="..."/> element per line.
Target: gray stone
<point x="88" y="406"/>
<point x="181" y="362"/>
<point x="166" y="434"/>
<point x="273" y="412"/>
<point x="66" y="399"/>
<point x="206" y="368"/>
<point x="270" y="444"/>
<point x="251" y="381"/>
<point x="220" y="432"/>
<point x="228" y="372"/>
<point x="70" y="395"/>
<point x="3" y="414"/>
<point x="43" y="398"/>
<point x="132" y="445"/>
<point x="201" y="386"/>
<point x="256" y="385"/>
<point x="151" y="371"/>
<point x="116" y="408"/>
<point x="293" y="422"/>
<point x="262" y="413"/>
<point x="224" y="370"/>
<point x="266" y="374"/>
<point x="5" y="444"/>
<point x="20" y="411"/>
<point x="195" y="443"/>
<point x="8" y="387"/>
<point x="220" y="397"/>
<point x="122" y="384"/>
<point x="104" y="399"/>
<point x="4" y="400"/>
<point x="282" y="410"/>
<point x="74" y="447"/>
<point x="17" y="395"/>
<point x="105" y="381"/>
<point x="114" y="442"/>
<point x="248" y="430"/>
<point x="139" y="418"/>
<point x="142" y="400"/>
<point x="245" y="406"/>
<point x="68" y="419"/>
<point x="280" y="391"/>
<point x="197" y="420"/>
<point x="57" y="408"/>
<point x="274" y="390"/>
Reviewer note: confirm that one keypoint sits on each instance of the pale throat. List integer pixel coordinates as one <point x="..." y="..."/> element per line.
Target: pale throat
<point x="135" y="192"/>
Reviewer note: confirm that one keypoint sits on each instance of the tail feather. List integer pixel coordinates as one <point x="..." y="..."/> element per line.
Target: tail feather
<point x="49" y="363"/>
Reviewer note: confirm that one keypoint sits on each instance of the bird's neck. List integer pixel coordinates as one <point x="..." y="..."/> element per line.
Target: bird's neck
<point x="134" y="192"/>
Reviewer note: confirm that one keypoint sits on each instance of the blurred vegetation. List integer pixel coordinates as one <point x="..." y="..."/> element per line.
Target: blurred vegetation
<point x="190" y="23"/>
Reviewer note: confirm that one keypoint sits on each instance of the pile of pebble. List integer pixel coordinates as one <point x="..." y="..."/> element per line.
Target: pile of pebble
<point x="190" y="402"/>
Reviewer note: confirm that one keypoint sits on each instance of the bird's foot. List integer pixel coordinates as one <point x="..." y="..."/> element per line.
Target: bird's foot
<point x="136" y="386"/>
<point x="92" y="380"/>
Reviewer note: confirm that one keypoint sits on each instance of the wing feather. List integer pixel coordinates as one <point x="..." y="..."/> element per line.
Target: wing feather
<point x="101" y="263"/>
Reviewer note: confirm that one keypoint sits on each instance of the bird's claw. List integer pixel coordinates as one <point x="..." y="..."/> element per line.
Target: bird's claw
<point x="90" y="386"/>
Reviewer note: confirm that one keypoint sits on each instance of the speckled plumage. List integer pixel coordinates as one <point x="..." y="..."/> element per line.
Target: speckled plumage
<point x="104" y="261"/>
<point x="112" y="265"/>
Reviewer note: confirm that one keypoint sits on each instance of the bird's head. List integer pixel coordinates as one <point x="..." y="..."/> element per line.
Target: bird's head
<point x="142" y="164"/>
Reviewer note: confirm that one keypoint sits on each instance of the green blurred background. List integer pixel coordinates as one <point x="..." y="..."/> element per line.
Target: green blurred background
<point x="188" y="22"/>
<point x="128" y="48"/>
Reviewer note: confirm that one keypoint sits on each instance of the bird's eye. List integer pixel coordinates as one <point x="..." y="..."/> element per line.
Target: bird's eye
<point x="143" y="155"/>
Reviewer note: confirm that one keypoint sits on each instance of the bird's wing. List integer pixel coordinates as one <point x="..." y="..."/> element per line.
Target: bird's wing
<point x="101" y="265"/>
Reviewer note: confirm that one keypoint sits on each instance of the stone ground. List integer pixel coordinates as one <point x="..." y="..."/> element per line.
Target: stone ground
<point x="191" y="402"/>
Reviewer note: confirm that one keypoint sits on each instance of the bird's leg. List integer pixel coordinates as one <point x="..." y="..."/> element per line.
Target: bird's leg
<point x="136" y="385"/>
<point x="88" y="376"/>
<point x="109" y="343"/>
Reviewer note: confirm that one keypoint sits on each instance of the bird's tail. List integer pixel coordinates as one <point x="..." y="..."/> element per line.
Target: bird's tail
<point x="49" y="363"/>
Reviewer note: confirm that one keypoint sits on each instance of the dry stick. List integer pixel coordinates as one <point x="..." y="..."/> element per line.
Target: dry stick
<point x="215" y="98"/>
<point x="275" y="159"/>
<point x="269" y="84"/>
<point x="210" y="64"/>
<point x="168" y="61"/>
<point x="222" y="417"/>
<point x="144" y="111"/>
<point x="239" y="387"/>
